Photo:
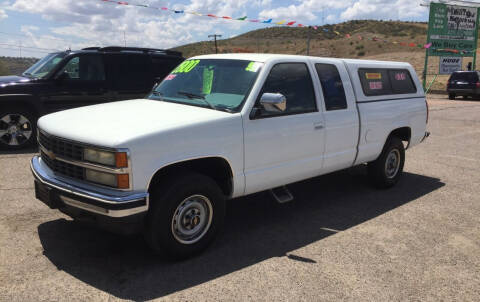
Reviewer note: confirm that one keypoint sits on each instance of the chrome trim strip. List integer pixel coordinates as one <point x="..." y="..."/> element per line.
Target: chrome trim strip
<point x="65" y="187"/>
<point x="87" y="165"/>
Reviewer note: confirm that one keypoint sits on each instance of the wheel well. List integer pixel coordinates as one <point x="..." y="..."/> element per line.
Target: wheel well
<point x="22" y="104"/>
<point x="403" y="133"/>
<point x="216" y="168"/>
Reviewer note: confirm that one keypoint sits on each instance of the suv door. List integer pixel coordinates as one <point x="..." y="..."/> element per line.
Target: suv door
<point x="286" y="147"/>
<point x="79" y="82"/>
<point x="132" y="76"/>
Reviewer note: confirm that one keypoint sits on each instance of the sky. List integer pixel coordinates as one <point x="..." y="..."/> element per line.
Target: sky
<point x="49" y="25"/>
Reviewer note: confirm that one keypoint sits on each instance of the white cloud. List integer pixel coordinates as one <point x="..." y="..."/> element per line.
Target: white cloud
<point x="305" y="10"/>
<point x="384" y="9"/>
<point x="3" y="14"/>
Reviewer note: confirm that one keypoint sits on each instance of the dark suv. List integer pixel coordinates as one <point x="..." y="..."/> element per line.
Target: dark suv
<point x="463" y="83"/>
<point x="70" y="79"/>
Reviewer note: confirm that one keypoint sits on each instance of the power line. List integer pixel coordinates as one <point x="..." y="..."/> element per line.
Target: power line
<point x="32" y="47"/>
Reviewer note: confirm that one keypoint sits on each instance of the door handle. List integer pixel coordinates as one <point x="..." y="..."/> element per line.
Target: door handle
<point x="318" y="126"/>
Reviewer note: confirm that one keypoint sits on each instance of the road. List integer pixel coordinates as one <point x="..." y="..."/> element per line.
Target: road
<point x="340" y="239"/>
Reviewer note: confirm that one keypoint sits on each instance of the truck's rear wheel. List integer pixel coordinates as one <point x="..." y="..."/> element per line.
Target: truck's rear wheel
<point x="17" y="128"/>
<point x="388" y="168"/>
<point x="185" y="215"/>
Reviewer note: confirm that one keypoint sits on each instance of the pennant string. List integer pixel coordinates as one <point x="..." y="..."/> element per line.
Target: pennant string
<point x="427" y="46"/>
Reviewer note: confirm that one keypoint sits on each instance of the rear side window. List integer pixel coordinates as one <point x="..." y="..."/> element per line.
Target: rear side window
<point x="131" y="72"/>
<point x="332" y="86"/>
<point x="163" y="65"/>
<point x="464" y="76"/>
<point x="382" y="81"/>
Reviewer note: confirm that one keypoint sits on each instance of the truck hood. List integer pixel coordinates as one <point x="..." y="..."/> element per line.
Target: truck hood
<point x="115" y="124"/>
<point x="13" y="80"/>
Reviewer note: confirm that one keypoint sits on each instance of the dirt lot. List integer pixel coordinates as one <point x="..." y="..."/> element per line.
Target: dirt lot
<point x="339" y="240"/>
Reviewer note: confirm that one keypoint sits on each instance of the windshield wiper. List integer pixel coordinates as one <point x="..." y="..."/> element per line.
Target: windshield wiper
<point x="196" y="96"/>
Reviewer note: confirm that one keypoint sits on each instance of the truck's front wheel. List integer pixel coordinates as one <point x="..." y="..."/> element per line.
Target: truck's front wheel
<point x="388" y="168"/>
<point x="185" y="215"/>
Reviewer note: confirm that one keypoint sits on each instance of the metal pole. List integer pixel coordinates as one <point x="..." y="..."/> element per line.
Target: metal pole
<point x="425" y="68"/>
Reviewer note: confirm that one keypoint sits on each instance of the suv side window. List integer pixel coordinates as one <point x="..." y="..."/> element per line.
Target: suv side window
<point x="85" y="68"/>
<point x="293" y="80"/>
<point x="332" y="86"/>
<point x="131" y="71"/>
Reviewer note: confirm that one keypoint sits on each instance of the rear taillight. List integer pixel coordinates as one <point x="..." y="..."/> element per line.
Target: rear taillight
<point x="477" y="84"/>
<point x="426" y="104"/>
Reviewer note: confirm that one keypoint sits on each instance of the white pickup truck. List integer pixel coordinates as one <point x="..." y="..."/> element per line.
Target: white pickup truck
<point x="220" y="127"/>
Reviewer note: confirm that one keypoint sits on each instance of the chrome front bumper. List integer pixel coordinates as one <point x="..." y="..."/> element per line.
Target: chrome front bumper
<point x="56" y="193"/>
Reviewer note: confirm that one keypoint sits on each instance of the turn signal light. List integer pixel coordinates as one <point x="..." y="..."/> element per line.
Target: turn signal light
<point x="123" y="181"/>
<point x="121" y="159"/>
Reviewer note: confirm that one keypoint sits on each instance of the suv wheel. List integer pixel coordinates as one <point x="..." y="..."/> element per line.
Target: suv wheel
<point x="185" y="215"/>
<point x="17" y="128"/>
<point x="451" y="96"/>
<point x="388" y="168"/>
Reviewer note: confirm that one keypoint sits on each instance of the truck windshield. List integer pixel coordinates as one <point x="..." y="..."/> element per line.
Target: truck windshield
<point x="45" y="65"/>
<point x="218" y="84"/>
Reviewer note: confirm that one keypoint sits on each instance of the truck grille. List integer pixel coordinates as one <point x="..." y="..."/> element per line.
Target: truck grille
<point x="64" y="149"/>
<point x="61" y="147"/>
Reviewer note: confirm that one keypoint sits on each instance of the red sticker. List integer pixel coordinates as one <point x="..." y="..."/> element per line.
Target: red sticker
<point x="400" y="76"/>
<point x="375" y="85"/>
<point x="170" y="77"/>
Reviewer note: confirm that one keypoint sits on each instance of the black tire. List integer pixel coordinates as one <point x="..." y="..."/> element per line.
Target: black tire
<point x="11" y="119"/>
<point x="465" y="97"/>
<point x="381" y="174"/>
<point x="451" y="96"/>
<point x="165" y="201"/>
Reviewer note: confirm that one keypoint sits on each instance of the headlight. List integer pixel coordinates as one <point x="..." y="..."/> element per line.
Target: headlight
<point x="112" y="159"/>
<point x="101" y="178"/>
<point x="119" y="181"/>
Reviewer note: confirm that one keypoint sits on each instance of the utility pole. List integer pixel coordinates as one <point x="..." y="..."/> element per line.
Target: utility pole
<point x="214" y="36"/>
<point x="308" y="39"/>
<point x="124" y="39"/>
<point x="20" y="48"/>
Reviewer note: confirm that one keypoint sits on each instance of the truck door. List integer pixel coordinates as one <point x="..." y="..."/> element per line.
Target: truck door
<point x="285" y="147"/>
<point x="80" y="82"/>
<point x="340" y="112"/>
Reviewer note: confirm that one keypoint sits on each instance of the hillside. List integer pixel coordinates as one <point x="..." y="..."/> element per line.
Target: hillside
<point x="323" y="43"/>
<point x="286" y="40"/>
<point x="15" y="66"/>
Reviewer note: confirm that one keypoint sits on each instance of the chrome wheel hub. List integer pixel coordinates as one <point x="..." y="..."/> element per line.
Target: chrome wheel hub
<point x="192" y="219"/>
<point x="392" y="164"/>
<point x="15" y="129"/>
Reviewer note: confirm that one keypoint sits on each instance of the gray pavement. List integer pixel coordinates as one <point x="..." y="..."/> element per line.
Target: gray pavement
<point x="339" y="240"/>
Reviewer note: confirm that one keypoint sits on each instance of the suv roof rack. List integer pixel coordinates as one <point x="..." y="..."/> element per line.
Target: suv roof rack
<point x="145" y="50"/>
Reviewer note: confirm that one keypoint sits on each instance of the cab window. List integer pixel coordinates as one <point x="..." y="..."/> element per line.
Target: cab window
<point x="293" y="80"/>
<point x="332" y="87"/>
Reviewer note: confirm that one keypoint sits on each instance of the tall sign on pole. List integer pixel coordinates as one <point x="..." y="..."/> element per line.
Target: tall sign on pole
<point x="452" y="32"/>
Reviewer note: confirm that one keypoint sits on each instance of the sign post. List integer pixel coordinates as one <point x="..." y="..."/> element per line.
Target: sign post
<point x="452" y="32"/>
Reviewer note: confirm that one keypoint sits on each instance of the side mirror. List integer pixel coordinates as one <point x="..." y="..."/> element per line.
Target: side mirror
<point x="273" y="102"/>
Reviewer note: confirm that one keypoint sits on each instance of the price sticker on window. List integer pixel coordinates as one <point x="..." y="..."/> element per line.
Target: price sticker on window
<point x="375" y="85"/>
<point x="373" y="76"/>
<point x="253" y="66"/>
<point x="186" y="66"/>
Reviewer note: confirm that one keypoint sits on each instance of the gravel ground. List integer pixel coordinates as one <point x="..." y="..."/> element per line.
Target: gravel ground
<point x="339" y="240"/>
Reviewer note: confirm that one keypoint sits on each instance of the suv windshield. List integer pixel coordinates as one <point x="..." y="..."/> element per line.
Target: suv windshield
<point x="45" y="65"/>
<point x="218" y="84"/>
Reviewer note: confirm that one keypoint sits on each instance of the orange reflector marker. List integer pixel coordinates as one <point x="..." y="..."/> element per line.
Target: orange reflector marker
<point x="121" y="159"/>
<point x="123" y="181"/>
